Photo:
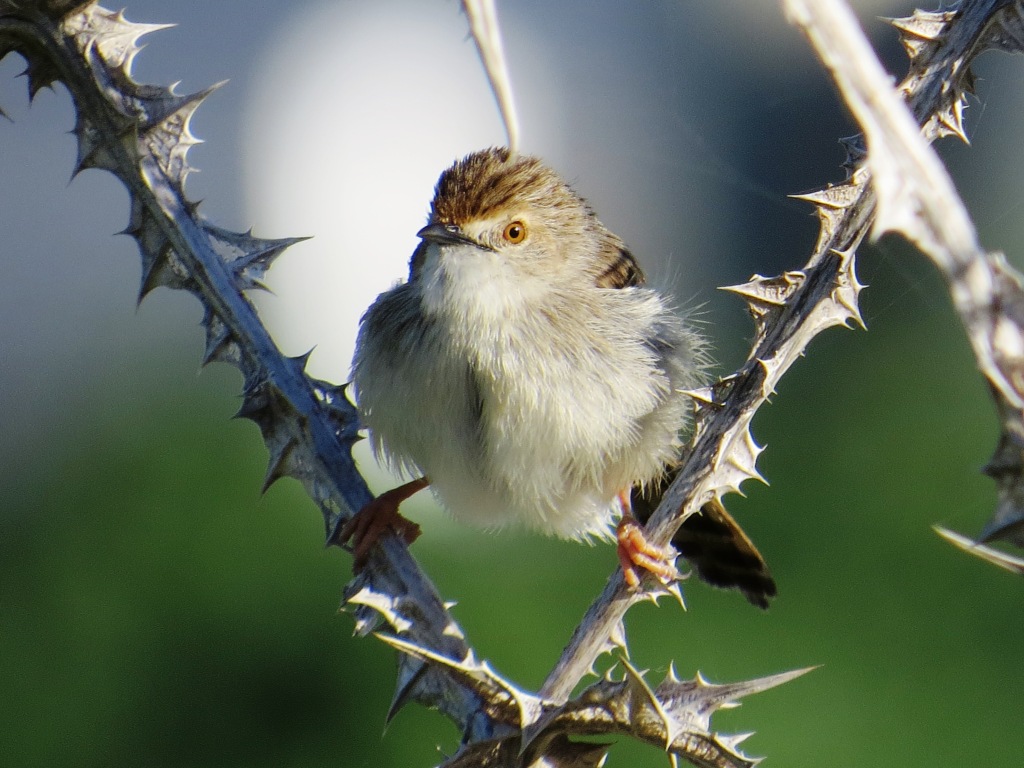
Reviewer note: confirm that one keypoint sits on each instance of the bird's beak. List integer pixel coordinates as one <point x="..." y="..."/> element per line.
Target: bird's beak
<point x="447" y="234"/>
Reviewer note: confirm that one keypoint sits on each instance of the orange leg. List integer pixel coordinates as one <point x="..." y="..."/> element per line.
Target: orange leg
<point x="371" y="522"/>
<point x="636" y="552"/>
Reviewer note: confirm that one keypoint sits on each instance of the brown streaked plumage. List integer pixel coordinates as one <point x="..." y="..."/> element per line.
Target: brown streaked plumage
<point x="492" y="183"/>
<point x="623" y="272"/>
<point x="485" y="182"/>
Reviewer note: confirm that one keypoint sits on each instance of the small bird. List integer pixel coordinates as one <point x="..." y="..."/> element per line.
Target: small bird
<point x="529" y="377"/>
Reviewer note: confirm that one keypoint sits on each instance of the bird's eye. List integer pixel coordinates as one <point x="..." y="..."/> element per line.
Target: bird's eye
<point x="514" y="232"/>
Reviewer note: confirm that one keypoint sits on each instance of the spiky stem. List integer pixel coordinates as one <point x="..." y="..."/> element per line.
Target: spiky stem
<point x="918" y="200"/>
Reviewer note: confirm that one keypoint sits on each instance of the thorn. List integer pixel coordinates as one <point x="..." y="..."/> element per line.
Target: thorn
<point x="254" y="405"/>
<point x="768" y="292"/>
<point x="302" y="360"/>
<point x="925" y="25"/>
<point x="846" y="292"/>
<point x="40" y="74"/>
<point x="701" y="396"/>
<point x="132" y="230"/>
<point x="639" y="687"/>
<point x="117" y="40"/>
<point x="360" y="592"/>
<point x="366" y="621"/>
<point x="676" y="591"/>
<point x="248" y="257"/>
<point x="989" y="554"/>
<point x="218" y="336"/>
<point x="951" y="120"/>
<point x="618" y="637"/>
<point x="733" y="741"/>
<point x="151" y="280"/>
<point x="406" y="685"/>
<point x="163" y="269"/>
<point x="278" y="465"/>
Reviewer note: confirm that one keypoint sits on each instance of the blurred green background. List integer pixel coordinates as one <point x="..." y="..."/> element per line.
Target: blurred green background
<point x="155" y="609"/>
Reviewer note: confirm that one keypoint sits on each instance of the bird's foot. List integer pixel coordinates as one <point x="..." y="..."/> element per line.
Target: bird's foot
<point x="378" y="517"/>
<point x="637" y="553"/>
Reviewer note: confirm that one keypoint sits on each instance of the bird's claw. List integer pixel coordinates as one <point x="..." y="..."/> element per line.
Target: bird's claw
<point x="637" y="553"/>
<point x="378" y="517"/>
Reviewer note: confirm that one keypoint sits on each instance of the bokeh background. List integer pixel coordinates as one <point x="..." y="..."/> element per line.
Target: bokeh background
<point x="154" y="608"/>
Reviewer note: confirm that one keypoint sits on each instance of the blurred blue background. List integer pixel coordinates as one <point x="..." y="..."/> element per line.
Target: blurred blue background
<point x="155" y="608"/>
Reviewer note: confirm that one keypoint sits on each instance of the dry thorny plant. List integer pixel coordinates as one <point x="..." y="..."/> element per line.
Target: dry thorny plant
<point x="140" y="133"/>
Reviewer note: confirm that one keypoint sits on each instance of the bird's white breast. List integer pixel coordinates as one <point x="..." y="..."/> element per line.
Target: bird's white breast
<point x="523" y="402"/>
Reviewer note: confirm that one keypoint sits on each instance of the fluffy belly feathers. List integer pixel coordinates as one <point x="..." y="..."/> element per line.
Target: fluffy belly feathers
<point x="549" y="450"/>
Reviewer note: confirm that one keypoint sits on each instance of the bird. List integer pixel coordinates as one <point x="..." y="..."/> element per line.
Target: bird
<point x="528" y="376"/>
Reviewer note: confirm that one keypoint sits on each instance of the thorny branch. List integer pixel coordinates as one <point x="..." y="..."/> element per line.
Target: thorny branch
<point x="917" y="198"/>
<point x="141" y="134"/>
